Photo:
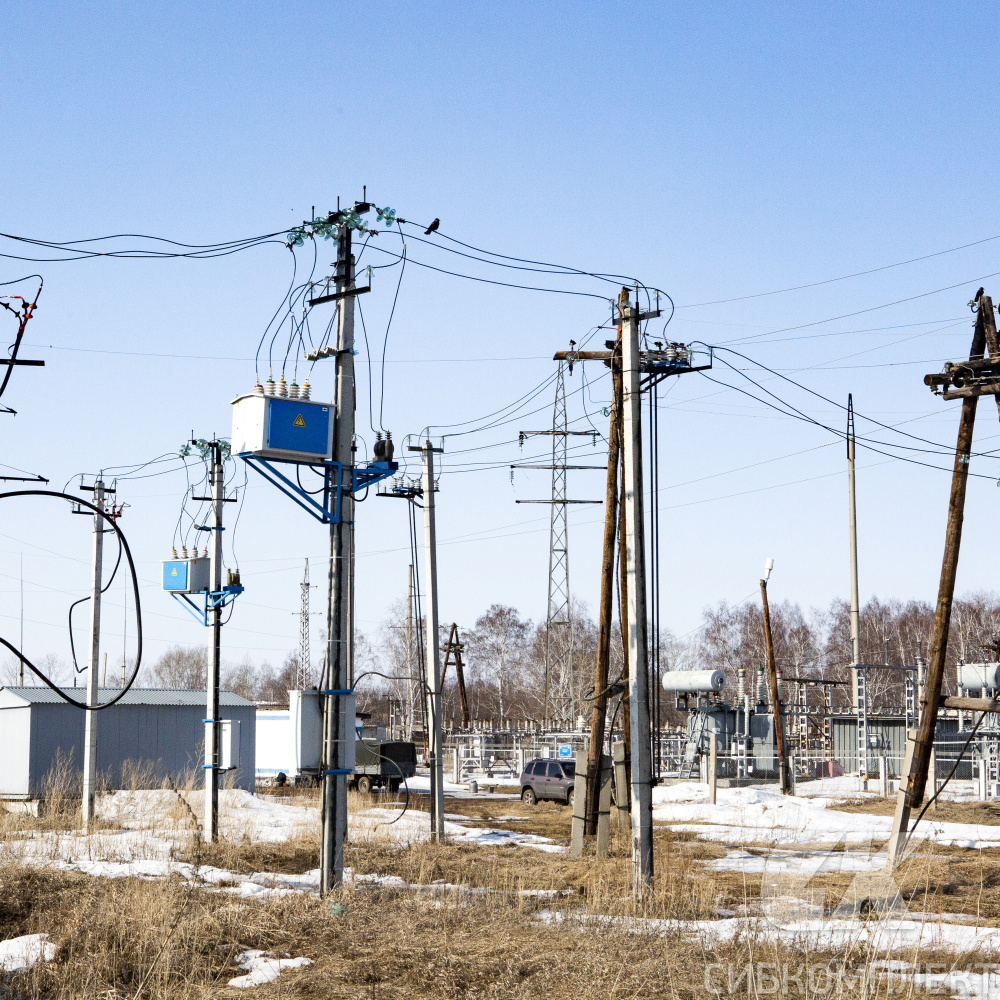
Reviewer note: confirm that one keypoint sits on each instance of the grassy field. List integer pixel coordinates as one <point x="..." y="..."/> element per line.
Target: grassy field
<point x="524" y="923"/>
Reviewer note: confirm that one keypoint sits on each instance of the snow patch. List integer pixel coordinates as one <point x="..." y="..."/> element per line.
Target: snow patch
<point x="263" y="969"/>
<point x="23" y="952"/>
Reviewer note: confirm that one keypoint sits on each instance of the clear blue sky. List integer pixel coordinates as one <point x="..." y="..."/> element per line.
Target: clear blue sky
<point x="716" y="152"/>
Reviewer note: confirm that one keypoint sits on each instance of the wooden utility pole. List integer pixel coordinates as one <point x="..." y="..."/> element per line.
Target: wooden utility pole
<point x="634" y="545"/>
<point x="454" y="649"/>
<point x="772" y="676"/>
<point x="599" y="716"/>
<point x="956" y="385"/>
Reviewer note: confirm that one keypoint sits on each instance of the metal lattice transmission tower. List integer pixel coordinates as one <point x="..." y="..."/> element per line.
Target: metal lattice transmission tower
<point x="559" y="616"/>
<point x="305" y="657"/>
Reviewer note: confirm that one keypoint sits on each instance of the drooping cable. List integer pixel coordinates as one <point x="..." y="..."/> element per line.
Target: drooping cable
<point x="135" y="593"/>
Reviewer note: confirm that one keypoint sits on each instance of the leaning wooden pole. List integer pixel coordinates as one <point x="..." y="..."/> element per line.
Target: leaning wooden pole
<point x="772" y="678"/>
<point x="912" y="794"/>
<point x="600" y="712"/>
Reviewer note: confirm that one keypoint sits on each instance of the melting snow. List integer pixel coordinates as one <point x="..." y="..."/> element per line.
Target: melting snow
<point x="23" y="952"/>
<point x="262" y="969"/>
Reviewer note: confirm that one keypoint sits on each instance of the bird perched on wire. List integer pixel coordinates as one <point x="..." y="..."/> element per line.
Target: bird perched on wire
<point x="432" y="228"/>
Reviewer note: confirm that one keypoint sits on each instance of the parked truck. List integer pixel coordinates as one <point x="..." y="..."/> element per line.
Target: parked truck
<point x="382" y="763"/>
<point x="290" y="740"/>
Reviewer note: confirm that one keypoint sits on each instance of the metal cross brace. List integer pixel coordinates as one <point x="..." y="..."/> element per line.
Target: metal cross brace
<point x="327" y="512"/>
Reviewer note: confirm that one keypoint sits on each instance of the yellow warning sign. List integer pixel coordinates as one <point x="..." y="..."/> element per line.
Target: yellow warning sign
<point x="173" y="572"/>
<point x="298" y="421"/>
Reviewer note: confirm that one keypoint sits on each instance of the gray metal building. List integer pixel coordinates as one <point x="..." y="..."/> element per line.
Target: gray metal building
<point x="887" y="736"/>
<point x="158" y="730"/>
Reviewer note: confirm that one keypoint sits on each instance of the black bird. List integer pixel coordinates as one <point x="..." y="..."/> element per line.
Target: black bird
<point x="432" y="228"/>
<point x="979" y="295"/>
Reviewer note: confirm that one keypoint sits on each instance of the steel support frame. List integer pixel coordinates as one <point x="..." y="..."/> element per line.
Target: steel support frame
<point x="327" y="512"/>
<point x="218" y="599"/>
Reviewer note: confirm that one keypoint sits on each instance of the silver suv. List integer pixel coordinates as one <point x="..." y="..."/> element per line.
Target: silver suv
<point x="548" y="779"/>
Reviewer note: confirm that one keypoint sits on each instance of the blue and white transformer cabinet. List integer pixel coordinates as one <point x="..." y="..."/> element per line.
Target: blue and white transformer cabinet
<point x="282" y="428"/>
<point x="186" y="576"/>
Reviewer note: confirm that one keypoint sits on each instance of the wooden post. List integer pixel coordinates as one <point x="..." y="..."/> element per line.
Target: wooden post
<point x="772" y="673"/>
<point x="916" y="779"/>
<point x="599" y="716"/>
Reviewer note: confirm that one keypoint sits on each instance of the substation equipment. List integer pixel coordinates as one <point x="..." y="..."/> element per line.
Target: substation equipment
<point x="827" y="734"/>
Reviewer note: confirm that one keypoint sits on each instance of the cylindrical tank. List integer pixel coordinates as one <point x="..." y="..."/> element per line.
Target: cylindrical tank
<point x="690" y="681"/>
<point x="979" y="676"/>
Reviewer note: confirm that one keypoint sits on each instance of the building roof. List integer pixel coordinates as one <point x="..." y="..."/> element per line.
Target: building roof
<point x="135" y="696"/>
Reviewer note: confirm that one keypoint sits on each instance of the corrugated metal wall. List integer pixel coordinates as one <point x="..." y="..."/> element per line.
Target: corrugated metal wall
<point x="158" y="739"/>
<point x="889" y="737"/>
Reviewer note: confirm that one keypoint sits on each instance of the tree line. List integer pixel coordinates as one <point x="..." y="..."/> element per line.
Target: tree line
<point x="504" y="656"/>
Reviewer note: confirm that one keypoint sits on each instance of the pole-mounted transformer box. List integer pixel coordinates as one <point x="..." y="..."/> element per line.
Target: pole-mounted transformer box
<point x="186" y="576"/>
<point x="282" y="428"/>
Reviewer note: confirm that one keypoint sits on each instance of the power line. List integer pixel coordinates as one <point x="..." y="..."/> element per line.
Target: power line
<point x="843" y="277"/>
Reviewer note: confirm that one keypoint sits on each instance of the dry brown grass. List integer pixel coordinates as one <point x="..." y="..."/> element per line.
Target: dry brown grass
<point x="166" y="941"/>
<point x="983" y="813"/>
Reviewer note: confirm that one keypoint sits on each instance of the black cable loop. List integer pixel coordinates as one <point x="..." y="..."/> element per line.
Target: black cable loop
<point x="72" y="646"/>
<point x="135" y="591"/>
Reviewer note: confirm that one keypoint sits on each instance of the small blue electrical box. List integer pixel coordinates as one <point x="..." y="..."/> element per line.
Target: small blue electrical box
<point x="282" y="428"/>
<point x="186" y="576"/>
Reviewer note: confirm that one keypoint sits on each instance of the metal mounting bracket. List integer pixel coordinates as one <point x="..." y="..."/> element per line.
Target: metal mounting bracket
<point x="327" y="512"/>
<point x="217" y="599"/>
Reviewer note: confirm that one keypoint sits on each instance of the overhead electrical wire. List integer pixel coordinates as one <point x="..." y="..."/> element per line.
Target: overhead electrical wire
<point x="79" y="249"/>
<point x="843" y="277"/>
<point x="942" y="448"/>
<point x="861" y="312"/>
<point x="385" y="341"/>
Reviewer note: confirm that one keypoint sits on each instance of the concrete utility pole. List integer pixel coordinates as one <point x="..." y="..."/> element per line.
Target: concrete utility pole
<point x="340" y="626"/>
<point x="218" y="483"/>
<point x="985" y="336"/>
<point x="772" y="676"/>
<point x="855" y="602"/>
<point x="859" y="675"/>
<point x="435" y="756"/>
<point x="411" y="686"/>
<point x="600" y="712"/>
<point x="90" y="717"/>
<point x="634" y="545"/>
